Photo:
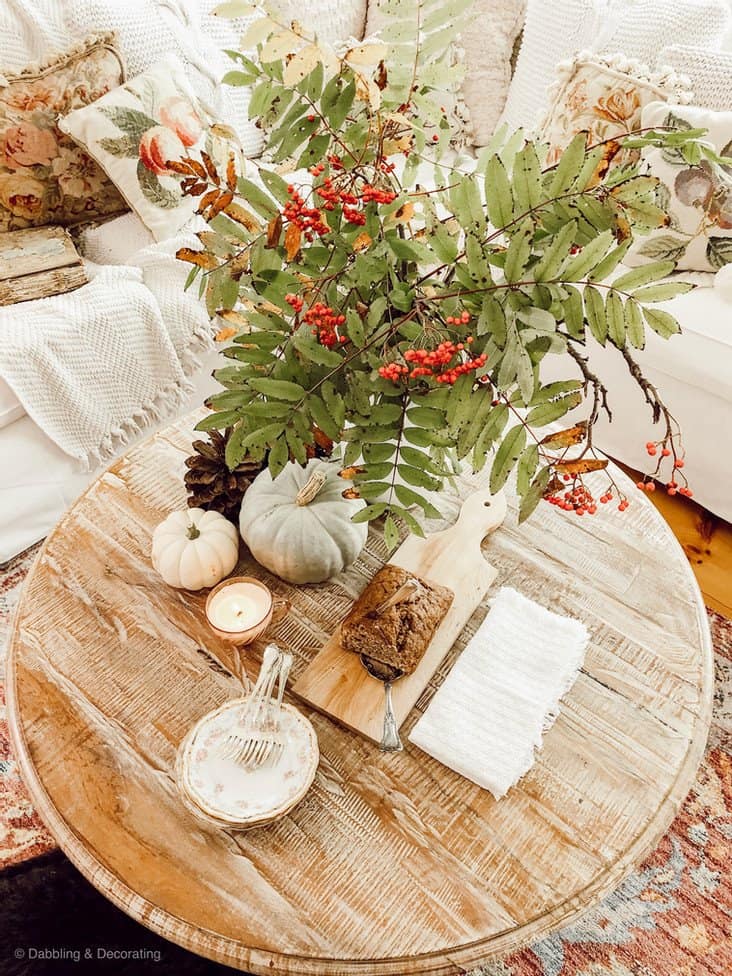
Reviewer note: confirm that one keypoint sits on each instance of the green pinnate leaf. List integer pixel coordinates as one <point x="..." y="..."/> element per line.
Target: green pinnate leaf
<point x="508" y="453"/>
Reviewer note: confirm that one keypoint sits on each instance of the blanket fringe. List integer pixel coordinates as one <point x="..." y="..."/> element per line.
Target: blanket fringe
<point x="154" y="411"/>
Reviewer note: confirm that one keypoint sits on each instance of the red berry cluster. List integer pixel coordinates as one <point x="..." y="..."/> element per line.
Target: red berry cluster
<point x="334" y="196"/>
<point x="444" y="363"/>
<point x="579" y="499"/>
<point x="672" y="488"/>
<point x="461" y="319"/>
<point x="325" y="323"/>
<point x="294" y="301"/>
<point x="308" y="219"/>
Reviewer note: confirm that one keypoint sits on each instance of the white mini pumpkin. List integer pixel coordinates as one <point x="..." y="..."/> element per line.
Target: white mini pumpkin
<point x="299" y="525"/>
<point x="192" y="548"/>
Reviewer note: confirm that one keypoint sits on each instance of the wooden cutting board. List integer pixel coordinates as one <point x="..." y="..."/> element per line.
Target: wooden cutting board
<point x="336" y="683"/>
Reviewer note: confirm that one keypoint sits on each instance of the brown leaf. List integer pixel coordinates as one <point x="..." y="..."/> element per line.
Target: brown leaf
<point x="274" y="229"/>
<point x="210" y="168"/>
<point x="239" y="264"/>
<point x="348" y="474"/>
<point x="200" y="258"/>
<point x="566" y="438"/>
<point x="362" y="241"/>
<point x="231" y="172"/>
<point x="208" y="200"/>
<point x="195" y="167"/>
<point x="221" y="204"/>
<point x="322" y="440"/>
<point x="553" y="486"/>
<point x="623" y="230"/>
<point x="197" y="188"/>
<point x="581" y="466"/>
<point x="381" y="76"/>
<point x="226" y="333"/>
<point x="610" y="151"/>
<point x="350" y="493"/>
<point x="293" y="236"/>
<point x="242" y="216"/>
<point x="178" y="166"/>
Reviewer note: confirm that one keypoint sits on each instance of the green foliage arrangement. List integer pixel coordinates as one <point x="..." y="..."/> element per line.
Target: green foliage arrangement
<point x="407" y="324"/>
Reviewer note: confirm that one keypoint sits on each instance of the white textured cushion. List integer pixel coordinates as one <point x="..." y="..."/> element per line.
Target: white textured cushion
<point x="11" y="408"/>
<point x="557" y="29"/>
<point x="30" y="31"/>
<point x="115" y="241"/>
<point x="486" y="46"/>
<point x="710" y="74"/>
<point x="148" y="30"/>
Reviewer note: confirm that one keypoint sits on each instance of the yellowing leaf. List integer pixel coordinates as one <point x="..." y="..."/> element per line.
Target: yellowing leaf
<point x="257" y="31"/>
<point x="242" y="216"/>
<point x="368" y="91"/>
<point x="236" y="318"/>
<point x="403" y="215"/>
<point x="368" y="54"/>
<point x="581" y="466"/>
<point x="235" y="8"/>
<point x="279" y="45"/>
<point x="200" y="258"/>
<point x="226" y="333"/>
<point x="362" y="241"/>
<point x="566" y="438"/>
<point x="300" y="66"/>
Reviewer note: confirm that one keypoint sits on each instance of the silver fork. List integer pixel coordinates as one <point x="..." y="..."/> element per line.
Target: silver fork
<point x="262" y="744"/>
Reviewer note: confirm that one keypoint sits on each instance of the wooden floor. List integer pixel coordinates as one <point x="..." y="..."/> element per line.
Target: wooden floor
<point x="707" y="542"/>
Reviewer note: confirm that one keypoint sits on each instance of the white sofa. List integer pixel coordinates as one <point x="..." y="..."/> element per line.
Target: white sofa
<point x="694" y="371"/>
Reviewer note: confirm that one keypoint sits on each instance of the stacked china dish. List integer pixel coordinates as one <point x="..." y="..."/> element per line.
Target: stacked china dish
<point x="250" y="761"/>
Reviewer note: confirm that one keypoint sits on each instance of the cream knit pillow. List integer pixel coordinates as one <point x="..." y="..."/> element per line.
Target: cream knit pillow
<point x="485" y="49"/>
<point x="557" y="29"/>
<point x="710" y="74"/>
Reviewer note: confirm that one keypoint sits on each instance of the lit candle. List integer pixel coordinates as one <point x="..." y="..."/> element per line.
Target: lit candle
<point x="239" y="609"/>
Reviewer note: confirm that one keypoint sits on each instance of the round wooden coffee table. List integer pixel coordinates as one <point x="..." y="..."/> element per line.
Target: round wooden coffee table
<point x="392" y="864"/>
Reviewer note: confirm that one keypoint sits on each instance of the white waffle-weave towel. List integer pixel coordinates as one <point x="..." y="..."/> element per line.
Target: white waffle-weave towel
<point x="487" y="719"/>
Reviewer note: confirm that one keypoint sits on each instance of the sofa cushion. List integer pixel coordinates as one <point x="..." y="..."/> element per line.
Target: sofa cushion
<point x="148" y="30"/>
<point x="710" y="74"/>
<point x="45" y="178"/>
<point x="556" y="30"/>
<point x="697" y="198"/>
<point x="135" y="130"/>
<point x="486" y="47"/>
<point x="604" y="97"/>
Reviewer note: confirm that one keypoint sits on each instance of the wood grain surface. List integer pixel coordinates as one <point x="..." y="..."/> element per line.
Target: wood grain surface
<point x="392" y="864"/>
<point x="335" y="682"/>
<point x="38" y="263"/>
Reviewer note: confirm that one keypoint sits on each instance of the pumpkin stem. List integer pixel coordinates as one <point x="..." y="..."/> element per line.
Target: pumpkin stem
<point x="193" y="532"/>
<point x="311" y="487"/>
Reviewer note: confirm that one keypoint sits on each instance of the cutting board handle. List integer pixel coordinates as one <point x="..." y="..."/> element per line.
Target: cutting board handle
<point x="480" y="514"/>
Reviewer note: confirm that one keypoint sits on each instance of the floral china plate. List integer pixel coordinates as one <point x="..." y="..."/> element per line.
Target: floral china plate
<point x="223" y="792"/>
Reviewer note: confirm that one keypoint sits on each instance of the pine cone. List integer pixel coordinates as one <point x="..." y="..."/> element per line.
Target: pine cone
<point x="209" y="482"/>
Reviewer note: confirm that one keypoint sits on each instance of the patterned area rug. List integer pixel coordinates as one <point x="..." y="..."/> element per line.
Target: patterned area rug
<point x="671" y="917"/>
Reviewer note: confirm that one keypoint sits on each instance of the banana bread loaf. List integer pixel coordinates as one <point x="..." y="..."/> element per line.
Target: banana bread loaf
<point x="400" y="634"/>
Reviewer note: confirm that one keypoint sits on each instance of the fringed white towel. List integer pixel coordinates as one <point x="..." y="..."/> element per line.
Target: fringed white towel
<point x="94" y="366"/>
<point x="487" y="719"/>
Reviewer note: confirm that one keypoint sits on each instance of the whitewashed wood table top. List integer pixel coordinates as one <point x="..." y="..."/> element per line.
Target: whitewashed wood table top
<point x="392" y="864"/>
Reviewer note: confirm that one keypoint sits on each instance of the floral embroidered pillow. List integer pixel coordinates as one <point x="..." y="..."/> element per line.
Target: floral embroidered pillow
<point x="45" y="178"/>
<point x="605" y="98"/>
<point x="698" y="198"/>
<point x="136" y="130"/>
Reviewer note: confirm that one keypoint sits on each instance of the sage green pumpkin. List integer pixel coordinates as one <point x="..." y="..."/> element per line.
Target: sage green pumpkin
<point x="299" y="525"/>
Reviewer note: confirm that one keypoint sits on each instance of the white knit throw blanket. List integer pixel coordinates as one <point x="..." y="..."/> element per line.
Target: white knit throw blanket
<point x="96" y="365"/>
<point x="487" y="719"/>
